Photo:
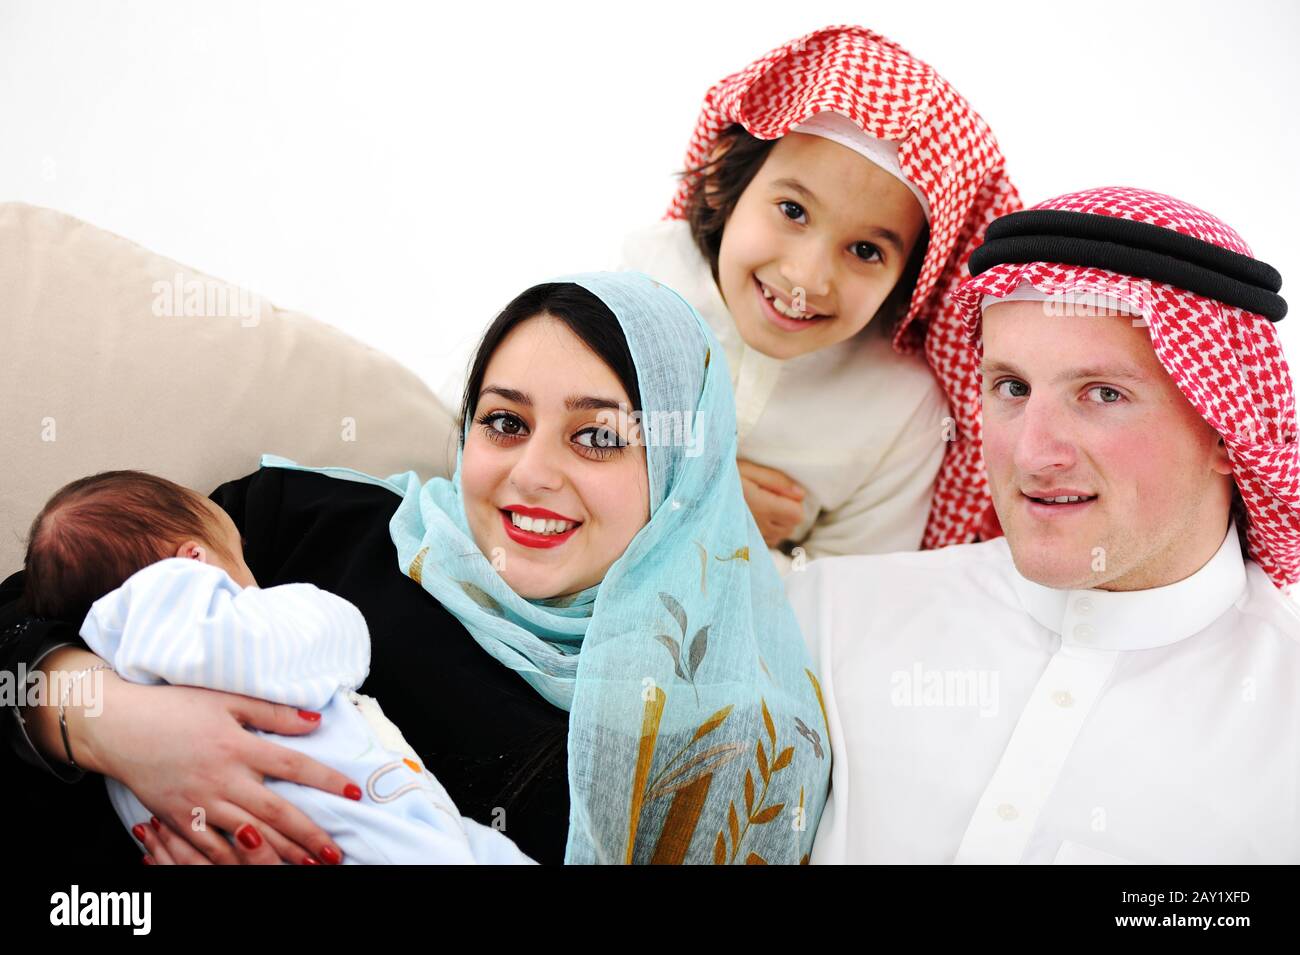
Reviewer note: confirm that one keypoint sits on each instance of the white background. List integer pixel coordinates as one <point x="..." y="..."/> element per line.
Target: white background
<point x="402" y="170"/>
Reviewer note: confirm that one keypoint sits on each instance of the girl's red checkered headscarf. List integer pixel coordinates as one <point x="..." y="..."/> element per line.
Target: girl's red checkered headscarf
<point x="945" y="149"/>
<point x="1228" y="362"/>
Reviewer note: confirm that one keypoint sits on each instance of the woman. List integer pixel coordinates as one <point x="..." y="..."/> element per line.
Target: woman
<point x="617" y="684"/>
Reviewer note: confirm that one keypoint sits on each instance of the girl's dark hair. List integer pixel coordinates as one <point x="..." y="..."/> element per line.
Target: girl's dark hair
<point x="719" y="186"/>
<point x="97" y="531"/>
<point x="582" y="312"/>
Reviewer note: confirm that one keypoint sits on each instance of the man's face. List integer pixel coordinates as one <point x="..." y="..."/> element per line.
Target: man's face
<point x="1078" y="405"/>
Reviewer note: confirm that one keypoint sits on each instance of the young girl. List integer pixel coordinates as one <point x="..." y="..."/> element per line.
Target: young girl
<point x="833" y="192"/>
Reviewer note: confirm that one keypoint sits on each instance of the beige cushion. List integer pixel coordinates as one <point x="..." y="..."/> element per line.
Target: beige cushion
<point x="106" y="367"/>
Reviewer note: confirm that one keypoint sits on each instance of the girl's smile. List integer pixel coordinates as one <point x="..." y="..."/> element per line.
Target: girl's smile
<point x="819" y="231"/>
<point x="784" y="313"/>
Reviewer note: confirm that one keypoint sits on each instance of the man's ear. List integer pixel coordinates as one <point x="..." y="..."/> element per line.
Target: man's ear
<point x="1220" y="463"/>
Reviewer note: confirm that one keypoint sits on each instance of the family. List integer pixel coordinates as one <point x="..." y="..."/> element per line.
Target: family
<point x="861" y="516"/>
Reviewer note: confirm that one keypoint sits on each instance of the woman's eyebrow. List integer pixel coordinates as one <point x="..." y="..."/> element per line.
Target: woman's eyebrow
<point x="510" y="394"/>
<point x="590" y="403"/>
<point x="572" y="403"/>
<point x="888" y="236"/>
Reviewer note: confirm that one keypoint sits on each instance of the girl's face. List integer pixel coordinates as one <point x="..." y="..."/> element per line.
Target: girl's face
<point x="553" y="476"/>
<point x="815" y="245"/>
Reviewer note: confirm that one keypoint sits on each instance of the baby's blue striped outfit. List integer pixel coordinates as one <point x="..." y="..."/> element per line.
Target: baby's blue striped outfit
<point x="184" y="622"/>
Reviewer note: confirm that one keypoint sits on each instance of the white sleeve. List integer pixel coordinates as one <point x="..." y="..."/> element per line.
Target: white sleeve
<point x="629" y="254"/>
<point x="646" y="249"/>
<point x="889" y="510"/>
<point x="187" y="623"/>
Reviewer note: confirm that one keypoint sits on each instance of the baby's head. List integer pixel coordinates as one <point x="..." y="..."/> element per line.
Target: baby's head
<point x="97" y="531"/>
<point x="808" y="239"/>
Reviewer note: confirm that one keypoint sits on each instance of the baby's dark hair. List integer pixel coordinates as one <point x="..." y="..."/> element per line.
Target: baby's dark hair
<point x="97" y="531"/>
<point x="719" y="184"/>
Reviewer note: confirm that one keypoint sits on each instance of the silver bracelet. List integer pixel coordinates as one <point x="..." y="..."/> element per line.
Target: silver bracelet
<point x="63" y="720"/>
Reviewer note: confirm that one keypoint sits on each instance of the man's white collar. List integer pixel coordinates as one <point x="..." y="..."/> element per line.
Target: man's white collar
<point x="1139" y="619"/>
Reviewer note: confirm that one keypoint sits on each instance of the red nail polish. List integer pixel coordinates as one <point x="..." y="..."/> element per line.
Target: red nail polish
<point x="138" y="831"/>
<point x="308" y="860"/>
<point x="157" y="826"/>
<point x="249" y="836"/>
<point x="330" y="855"/>
<point x="147" y="860"/>
<point x="352" y="791"/>
<point x="309" y="716"/>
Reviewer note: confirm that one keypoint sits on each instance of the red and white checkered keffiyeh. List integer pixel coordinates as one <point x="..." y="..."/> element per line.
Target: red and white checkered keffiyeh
<point x="1227" y="362"/>
<point x="945" y="149"/>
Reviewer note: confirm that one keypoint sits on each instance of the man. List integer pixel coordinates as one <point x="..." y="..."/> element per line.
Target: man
<point x="1115" y="680"/>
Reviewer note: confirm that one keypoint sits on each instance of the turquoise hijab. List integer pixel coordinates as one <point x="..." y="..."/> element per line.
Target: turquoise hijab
<point x="697" y="731"/>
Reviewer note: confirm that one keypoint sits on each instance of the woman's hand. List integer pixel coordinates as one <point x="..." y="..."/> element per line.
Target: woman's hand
<point x="774" y="498"/>
<point x="185" y="754"/>
<point x="164" y="846"/>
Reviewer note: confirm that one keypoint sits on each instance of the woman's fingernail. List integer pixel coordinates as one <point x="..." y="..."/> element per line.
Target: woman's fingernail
<point x="309" y="716"/>
<point x="157" y="826"/>
<point x="249" y="836"/>
<point x="352" y="791"/>
<point x="138" y="831"/>
<point x="147" y="860"/>
<point x="309" y="860"/>
<point x="330" y="855"/>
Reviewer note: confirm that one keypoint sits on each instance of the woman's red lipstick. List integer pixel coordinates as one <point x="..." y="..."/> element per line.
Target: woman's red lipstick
<point x="532" y="538"/>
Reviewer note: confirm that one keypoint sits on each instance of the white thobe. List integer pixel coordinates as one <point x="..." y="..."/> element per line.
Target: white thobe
<point x="976" y="716"/>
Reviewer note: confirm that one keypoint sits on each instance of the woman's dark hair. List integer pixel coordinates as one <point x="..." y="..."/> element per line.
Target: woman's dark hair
<point x="719" y="186"/>
<point x="582" y="312"/>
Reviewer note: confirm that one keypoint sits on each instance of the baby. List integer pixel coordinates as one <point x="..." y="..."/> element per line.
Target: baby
<point x="158" y="573"/>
